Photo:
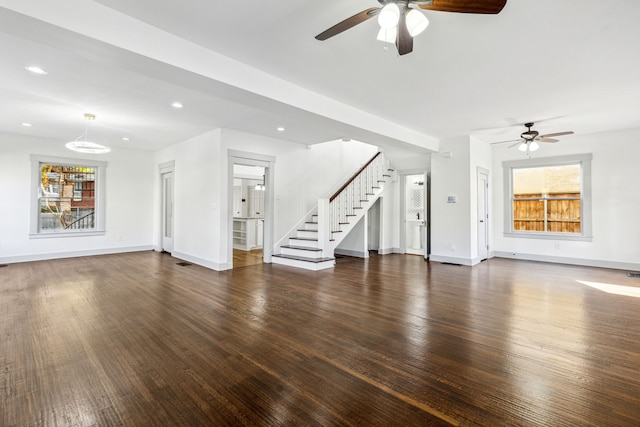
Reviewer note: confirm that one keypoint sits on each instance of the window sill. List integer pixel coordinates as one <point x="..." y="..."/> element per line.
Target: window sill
<point x="59" y="234"/>
<point x="549" y="236"/>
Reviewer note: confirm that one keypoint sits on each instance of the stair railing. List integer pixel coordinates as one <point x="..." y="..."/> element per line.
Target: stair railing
<point x="342" y="205"/>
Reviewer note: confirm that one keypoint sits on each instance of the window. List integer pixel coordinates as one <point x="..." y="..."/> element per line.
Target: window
<point x="548" y="198"/>
<point x="67" y="197"/>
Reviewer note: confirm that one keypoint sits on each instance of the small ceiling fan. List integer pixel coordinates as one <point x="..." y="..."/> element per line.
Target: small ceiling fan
<point x="528" y="141"/>
<point x="400" y="23"/>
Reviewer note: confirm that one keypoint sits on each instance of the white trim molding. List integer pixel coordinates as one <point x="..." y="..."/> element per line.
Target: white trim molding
<point x="584" y="160"/>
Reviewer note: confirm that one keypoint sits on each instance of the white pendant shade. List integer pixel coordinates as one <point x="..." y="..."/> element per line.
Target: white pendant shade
<point x="389" y="16"/>
<point x="533" y="146"/>
<point x="387" y="35"/>
<point x="522" y="147"/>
<point x="416" y="22"/>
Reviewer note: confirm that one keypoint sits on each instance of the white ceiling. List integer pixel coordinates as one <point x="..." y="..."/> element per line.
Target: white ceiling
<point x="567" y="65"/>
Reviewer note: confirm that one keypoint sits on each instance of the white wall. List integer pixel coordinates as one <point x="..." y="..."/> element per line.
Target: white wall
<point x="450" y="222"/>
<point x="129" y="202"/>
<point x="616" y="202"/>
<point x="198" y="181"/>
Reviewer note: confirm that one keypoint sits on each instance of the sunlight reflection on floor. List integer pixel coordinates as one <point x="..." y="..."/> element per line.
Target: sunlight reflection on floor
<point x="613" y="289"/>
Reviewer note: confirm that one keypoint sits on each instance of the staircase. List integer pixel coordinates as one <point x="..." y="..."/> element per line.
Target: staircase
<point x="318" y="235"/>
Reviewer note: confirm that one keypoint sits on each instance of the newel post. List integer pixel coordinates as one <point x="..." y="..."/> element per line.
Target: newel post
<point x="324" y="228"/>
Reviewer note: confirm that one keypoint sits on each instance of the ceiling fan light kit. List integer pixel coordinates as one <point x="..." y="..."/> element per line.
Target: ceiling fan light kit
<point x="400" y="23"/>
<point x="389" y="16"/>
<point x="416" y="22"/>
<point x="528" y="141"/>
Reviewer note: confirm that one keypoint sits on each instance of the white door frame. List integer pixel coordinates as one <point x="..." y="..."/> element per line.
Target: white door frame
<point x="402" y="176"/>
<point x="165" y="169"/>
<point x="268" y="163"/>
<point x="483" y="213"/>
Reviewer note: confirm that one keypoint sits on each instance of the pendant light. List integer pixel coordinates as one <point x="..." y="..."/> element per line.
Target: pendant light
<point x="82" y="143"/>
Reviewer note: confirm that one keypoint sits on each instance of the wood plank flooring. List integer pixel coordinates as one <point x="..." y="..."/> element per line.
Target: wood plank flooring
<point x="137" y="340"/>
<point x="244" y="258"/>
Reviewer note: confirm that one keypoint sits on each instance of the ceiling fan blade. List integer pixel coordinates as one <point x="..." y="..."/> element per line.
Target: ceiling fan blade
<point x="356" y="19"/>
<point x="545" y="139"/>
<point x="404" y="41"/>
<point x="556" y="134"/>
<point x="504" y="142"/>
<point x="467" y="6"/>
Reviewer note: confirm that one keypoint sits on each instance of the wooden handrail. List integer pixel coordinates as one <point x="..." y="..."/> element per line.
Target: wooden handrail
<point x="353" y="177"/>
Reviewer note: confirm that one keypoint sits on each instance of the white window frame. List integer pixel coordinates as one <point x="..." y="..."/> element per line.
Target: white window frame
<point x="100" y="196"/>
<point x="584" y="160"/>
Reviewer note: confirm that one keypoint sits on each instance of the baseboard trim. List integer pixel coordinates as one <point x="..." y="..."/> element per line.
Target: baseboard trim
<point x="348" y="252"/>
<point x="572" y="261"/>
<point x="387" y="251"/>
<point x="202" y="262"/>
<point x="73" y="254"/>
<point x="452" y="260"/>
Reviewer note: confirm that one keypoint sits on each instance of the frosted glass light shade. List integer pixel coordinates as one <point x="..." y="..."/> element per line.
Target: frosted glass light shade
<point x="533" y="146"/>
<point x="389" y="16"/>
<point x="416" y="22"/>
<point x="522" y="147"/>
<point x="87" y="147"/>
<point x="387" y="35"/>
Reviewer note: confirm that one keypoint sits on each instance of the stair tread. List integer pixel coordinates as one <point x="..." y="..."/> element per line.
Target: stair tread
<point x="304" y="229"/>
<point x="304" y="258"/>
<point x="302" y="248"/>
<point x="310" y="239"/>
<point x="311" y="222"/>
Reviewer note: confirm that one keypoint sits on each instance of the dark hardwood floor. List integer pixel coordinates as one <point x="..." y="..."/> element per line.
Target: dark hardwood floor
<point x="135" y="339"/>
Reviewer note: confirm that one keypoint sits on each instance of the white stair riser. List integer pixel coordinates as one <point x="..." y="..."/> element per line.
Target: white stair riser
<point x="305" y="243"/>
<point x="314" y="266"/>
<point x="301" y="252"/>
<point x="308" y="234"/>
<point x="313" y="227"/>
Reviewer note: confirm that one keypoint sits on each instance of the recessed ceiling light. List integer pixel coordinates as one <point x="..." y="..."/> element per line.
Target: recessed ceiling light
<point x="280" y="129"/>
<point x="126" y="138"/>
<point x="176" y="105"/>
<point x="27" y="125"/>
<point x="36" y="70"/>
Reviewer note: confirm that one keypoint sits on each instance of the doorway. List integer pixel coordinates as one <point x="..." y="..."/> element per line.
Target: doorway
<point x="250" y="226"/>
<point x="248" y="214"/>
<point x="415" y="214"/>
<point x="483" y="214"/>
<point x="166" y="208"/>
<point x="374" y="227"/>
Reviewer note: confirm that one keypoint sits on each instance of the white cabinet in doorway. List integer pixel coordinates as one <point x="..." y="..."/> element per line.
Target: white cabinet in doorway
<point x="247" y="233"/>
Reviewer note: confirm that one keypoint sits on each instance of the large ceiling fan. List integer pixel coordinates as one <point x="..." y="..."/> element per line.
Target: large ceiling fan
<point x="400" y="23"/>
<point x="529" y="139"/>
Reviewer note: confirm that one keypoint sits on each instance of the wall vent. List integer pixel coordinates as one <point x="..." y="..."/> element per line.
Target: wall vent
<point x="183" y="264"/>
<point x="633" y="274"/>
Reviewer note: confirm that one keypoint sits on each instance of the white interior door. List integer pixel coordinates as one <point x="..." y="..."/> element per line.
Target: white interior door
<point x="415" y="211"/>
<point x="167" y="212"/>
<point x="483" y="217"/>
